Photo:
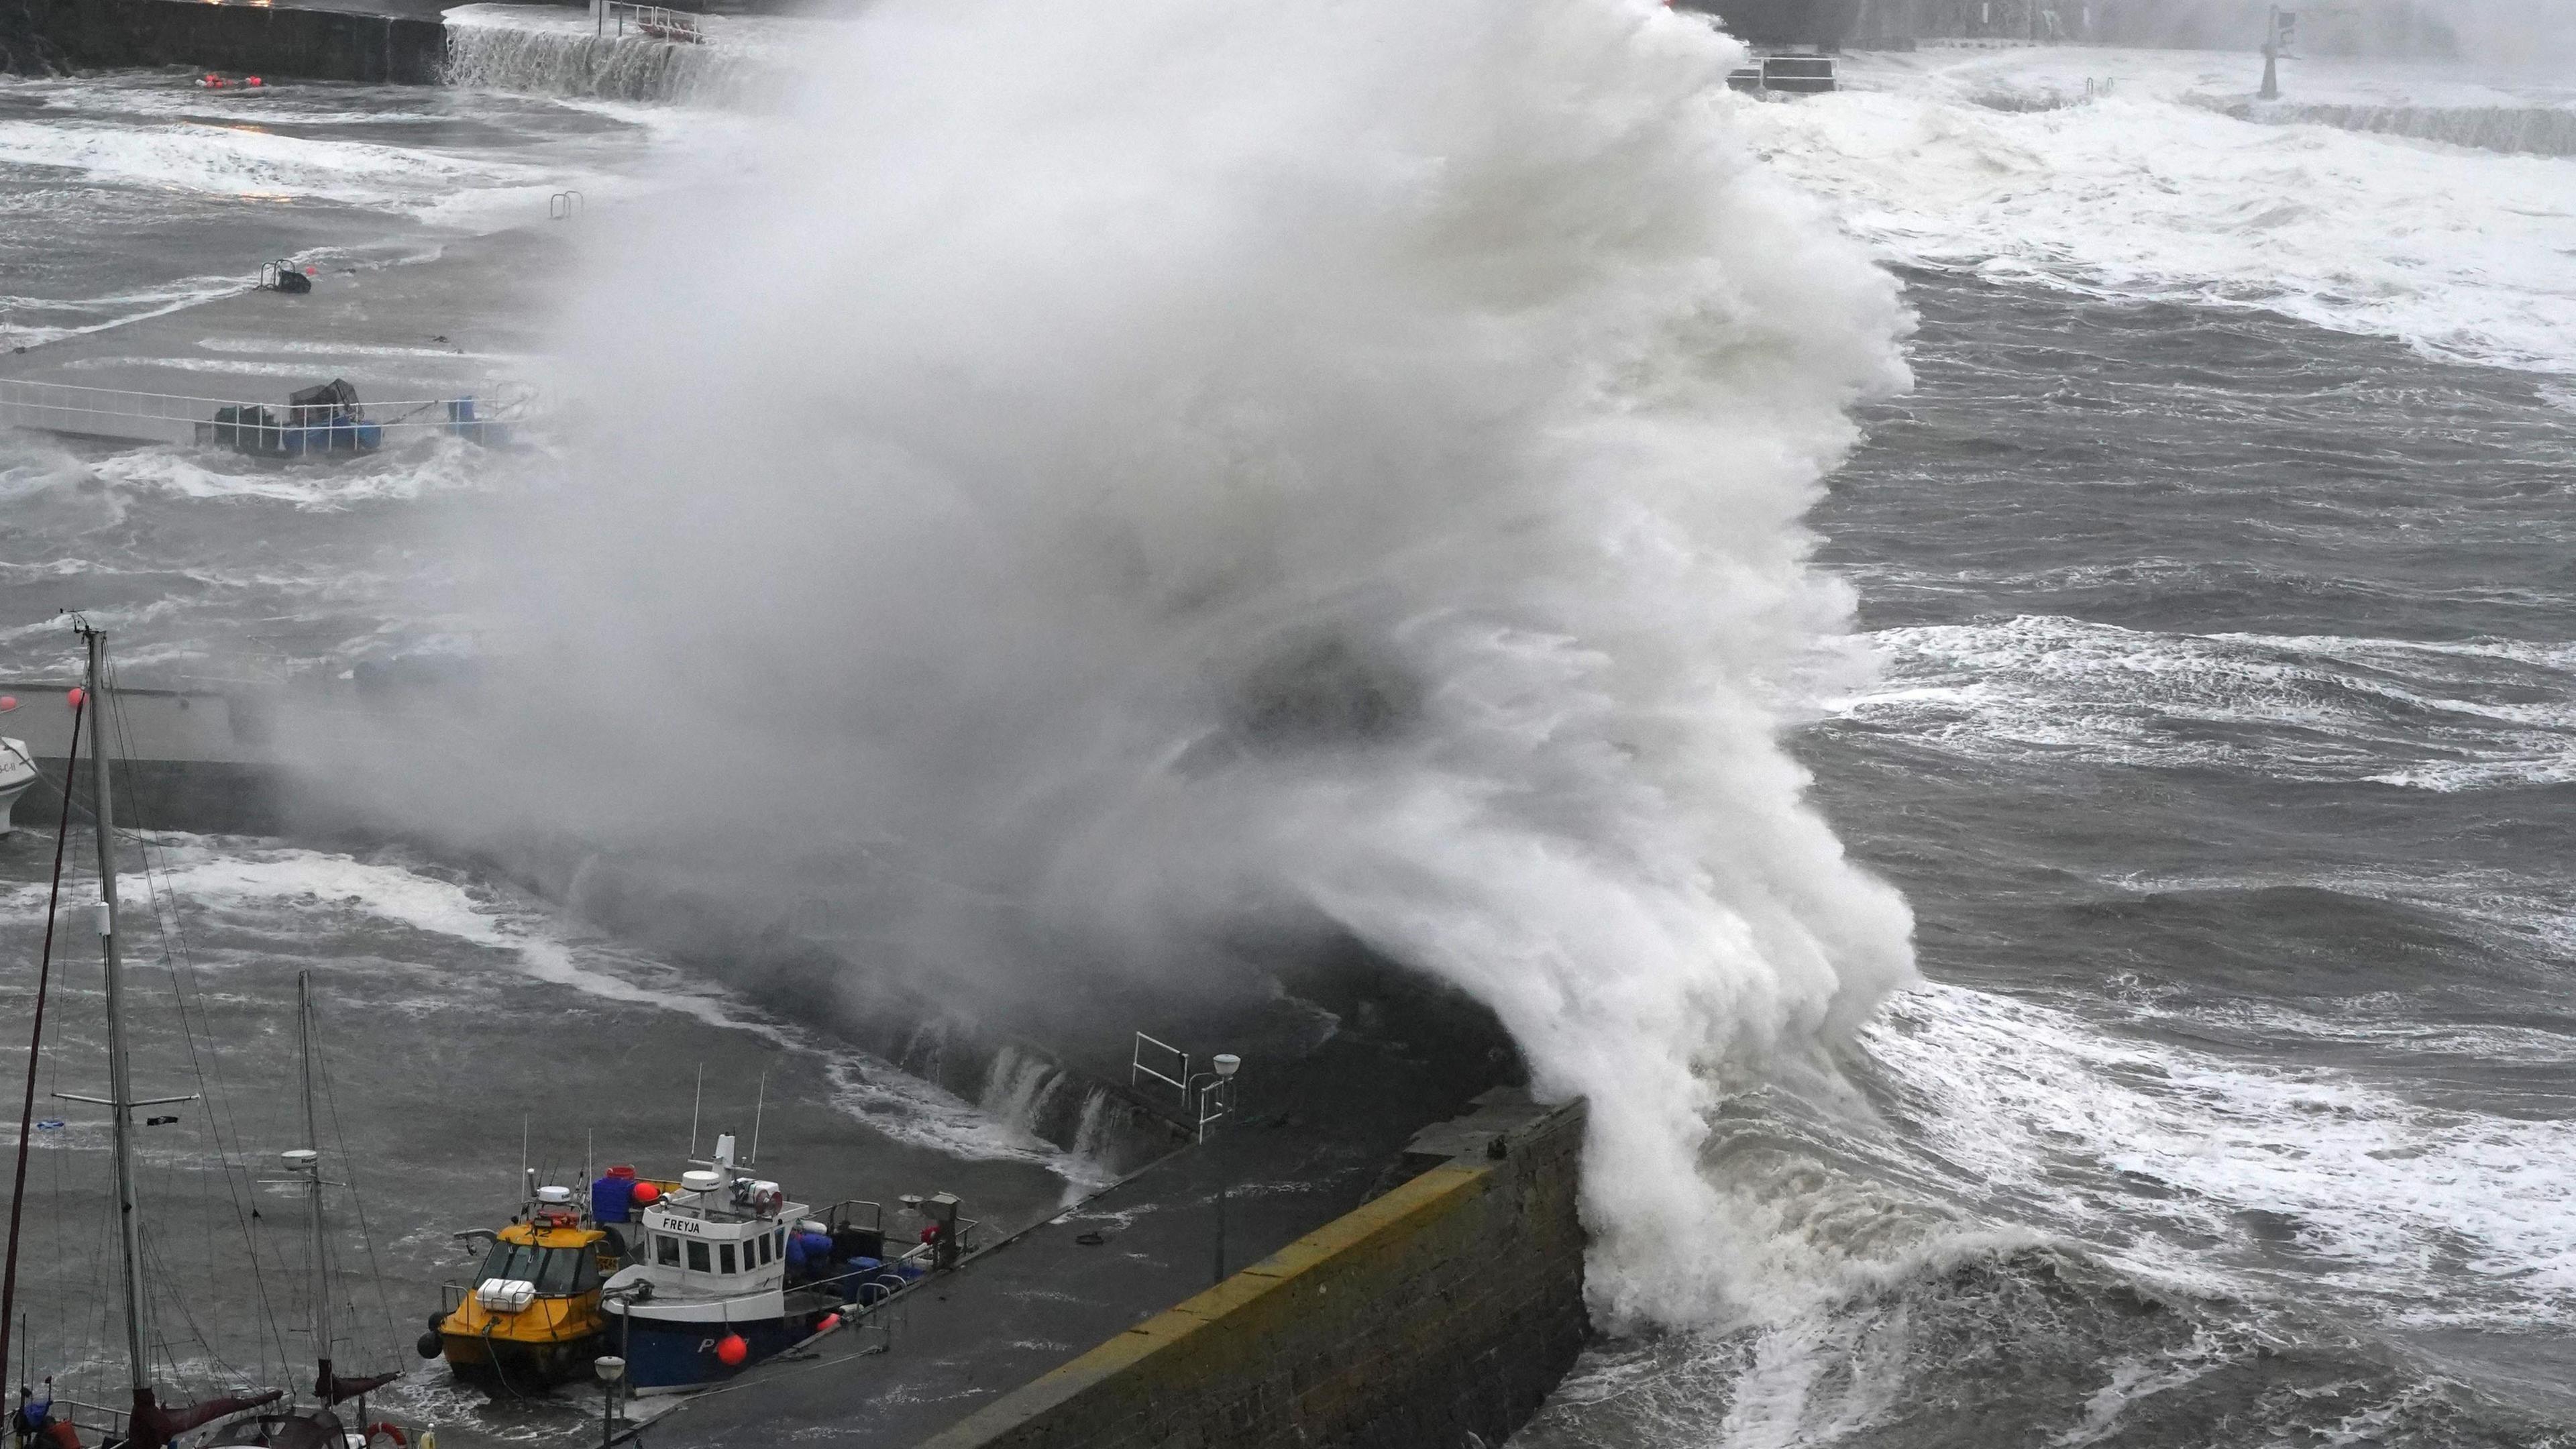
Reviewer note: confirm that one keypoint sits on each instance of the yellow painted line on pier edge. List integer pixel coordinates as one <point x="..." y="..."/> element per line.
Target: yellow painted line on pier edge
<point x="1340" y="1254"/>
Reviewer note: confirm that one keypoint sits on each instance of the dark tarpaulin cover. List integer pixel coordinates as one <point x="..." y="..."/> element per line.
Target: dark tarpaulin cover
<point x="154" y="1426"/>
<point x="331" y="1386"/>
<point x="333" y="394"/>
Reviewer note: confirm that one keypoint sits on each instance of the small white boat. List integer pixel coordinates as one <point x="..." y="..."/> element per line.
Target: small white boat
<point x="17" y="772"/>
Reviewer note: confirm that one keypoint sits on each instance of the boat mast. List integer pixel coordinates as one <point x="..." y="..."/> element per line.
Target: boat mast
<point x="313" y="1165"/>
<point x="120" y="1085"/>
<point x="151" y="1425"/>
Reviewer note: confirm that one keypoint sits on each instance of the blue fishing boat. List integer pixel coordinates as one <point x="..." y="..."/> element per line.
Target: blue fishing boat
<point x="728" y="1271"/>
<point x="315" y="423"/>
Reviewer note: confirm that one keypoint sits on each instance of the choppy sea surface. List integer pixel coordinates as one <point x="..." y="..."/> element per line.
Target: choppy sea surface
<point x="2224" y="749"/>
<point x="2224" y="745"/>
<point x="2224" y="741"/>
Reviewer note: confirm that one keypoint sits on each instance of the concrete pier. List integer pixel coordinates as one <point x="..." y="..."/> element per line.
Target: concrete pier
<point x="1440" y="1311"/>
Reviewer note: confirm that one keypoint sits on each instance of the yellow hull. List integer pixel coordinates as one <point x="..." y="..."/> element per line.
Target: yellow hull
<point x="548" y="1341"/>
<point x="521" y="1364"/>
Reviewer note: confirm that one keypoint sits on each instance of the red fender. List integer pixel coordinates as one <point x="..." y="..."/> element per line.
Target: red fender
<point x="390" y="1431"/>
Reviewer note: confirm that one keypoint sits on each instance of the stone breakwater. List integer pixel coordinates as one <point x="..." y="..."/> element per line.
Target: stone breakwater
<point x="1447" y="1308"/>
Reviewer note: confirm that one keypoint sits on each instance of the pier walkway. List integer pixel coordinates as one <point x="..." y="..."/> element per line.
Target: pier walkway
<point x="1317" y="1135"/>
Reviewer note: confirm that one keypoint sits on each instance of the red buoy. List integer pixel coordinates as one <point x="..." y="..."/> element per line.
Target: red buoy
<point x="646" y="1194"/>
<point x="830" y="1322"/>
<point x="74" y="696"/>
<point x="731" y="1350"/>
<point x="308" y="271"/>
<point x="250" y="80"/>
<point x="8" y="702"/>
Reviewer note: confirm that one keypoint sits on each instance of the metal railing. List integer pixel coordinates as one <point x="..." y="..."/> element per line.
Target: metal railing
<point x="99" y="1419"/>
<point x="845" y="1214"/>
<point x="563" y="206"/>
<point x="655" y="21"/>
<point x="1162" y="1053"/>
<point x="1216" y="1103"/>
<point x="149" y="417"/>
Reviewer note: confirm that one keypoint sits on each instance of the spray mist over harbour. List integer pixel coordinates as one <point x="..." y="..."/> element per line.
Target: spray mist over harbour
<point x="1404" y="544"/>
<point x="1174" y="470"/>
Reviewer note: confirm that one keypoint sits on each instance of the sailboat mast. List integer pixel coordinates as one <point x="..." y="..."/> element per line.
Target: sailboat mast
<point x="313" y="1140"/>
<point x="120" y="1088"/>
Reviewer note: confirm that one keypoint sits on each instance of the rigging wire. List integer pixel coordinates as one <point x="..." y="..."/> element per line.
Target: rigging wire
<point x="358" y="1201"/>
<point x="35" y="1048"/>
<point x="180" y="963"/>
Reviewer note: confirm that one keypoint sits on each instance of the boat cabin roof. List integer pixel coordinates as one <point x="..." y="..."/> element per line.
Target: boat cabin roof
<point x="544" y="1235"/>
<point x="712" y="1214"/>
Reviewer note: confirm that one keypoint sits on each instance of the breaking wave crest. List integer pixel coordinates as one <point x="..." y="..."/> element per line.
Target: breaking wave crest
<point x="1184" y="474"/>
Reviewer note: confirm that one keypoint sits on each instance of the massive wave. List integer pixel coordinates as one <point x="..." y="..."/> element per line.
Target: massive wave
<point x="1165" y="466"/>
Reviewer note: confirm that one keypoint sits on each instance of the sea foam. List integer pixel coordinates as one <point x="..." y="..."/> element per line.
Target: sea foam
<point x="2147" y="193"/>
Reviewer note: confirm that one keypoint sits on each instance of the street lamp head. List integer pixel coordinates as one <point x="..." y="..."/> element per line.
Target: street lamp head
<point x="610" y="1370"/>
<point x="1227" y="1063"/>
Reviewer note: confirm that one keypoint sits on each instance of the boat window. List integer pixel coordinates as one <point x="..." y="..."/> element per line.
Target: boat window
<point x="511" y="1261"/>
<point x="585" y="1275"/>
<point x="724" y="1256"/>
<point x="666" y="1250"/>
<point x="764" y="1250"/>
<point x="780" y="1237"/>
<point x="556" y="1275"/>
<point x="698" y="1257"/>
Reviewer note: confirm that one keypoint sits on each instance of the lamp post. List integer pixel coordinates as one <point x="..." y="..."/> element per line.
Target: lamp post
<point x="1227" y="1064"/>
<point x="610" y="1370"/>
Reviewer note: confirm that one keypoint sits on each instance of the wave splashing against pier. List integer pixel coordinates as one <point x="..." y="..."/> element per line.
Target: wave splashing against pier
<point x="506" y="48"/>
<point x="1171" y="472"/>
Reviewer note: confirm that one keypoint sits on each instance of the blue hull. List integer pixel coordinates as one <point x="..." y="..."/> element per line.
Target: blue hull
<point x="661" y="1354"/>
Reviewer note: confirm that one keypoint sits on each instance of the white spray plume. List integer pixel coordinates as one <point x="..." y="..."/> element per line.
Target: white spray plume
<point x="1171" y="464"/>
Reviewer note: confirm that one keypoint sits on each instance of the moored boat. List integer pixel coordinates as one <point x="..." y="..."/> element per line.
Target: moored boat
<point x="532" y="1314"/>
<point x="729" y="1272"/>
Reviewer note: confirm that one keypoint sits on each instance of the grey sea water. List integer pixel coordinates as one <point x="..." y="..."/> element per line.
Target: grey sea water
<point x="2223" y="744"/>
<point x="2224" y="749"/>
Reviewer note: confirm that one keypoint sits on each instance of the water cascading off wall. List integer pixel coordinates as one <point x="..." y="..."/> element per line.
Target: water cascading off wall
<point x="573" y="62"/>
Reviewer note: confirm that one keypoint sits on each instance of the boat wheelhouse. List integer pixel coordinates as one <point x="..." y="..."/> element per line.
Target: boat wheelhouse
<point x="728" y="1272"/>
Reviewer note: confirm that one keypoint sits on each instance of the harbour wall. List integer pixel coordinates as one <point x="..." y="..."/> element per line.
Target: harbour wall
<point x="367" y="44"/>
<point x="2523" y="130"/>
<point x="1448" y="1308"/>
<point x="199" y="762"/>
<point x="266" y="40"/>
